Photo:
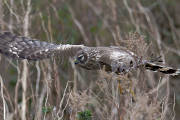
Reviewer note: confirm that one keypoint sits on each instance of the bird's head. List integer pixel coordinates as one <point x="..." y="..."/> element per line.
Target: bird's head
<point x="81" y="58"/>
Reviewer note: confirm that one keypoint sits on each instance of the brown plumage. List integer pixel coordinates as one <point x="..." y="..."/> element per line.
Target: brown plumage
<point x="20" y="47"/>
<point x="113" y="58"/>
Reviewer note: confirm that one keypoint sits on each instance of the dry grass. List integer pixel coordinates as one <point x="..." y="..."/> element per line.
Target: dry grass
<point x="51" y="89"/>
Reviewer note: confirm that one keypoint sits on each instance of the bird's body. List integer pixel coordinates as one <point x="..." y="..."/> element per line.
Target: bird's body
<point x="116" y="59"/>
<point x="113" y="58"/>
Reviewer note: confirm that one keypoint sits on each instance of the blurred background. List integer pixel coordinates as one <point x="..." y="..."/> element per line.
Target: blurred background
<point x="58" y="90"/>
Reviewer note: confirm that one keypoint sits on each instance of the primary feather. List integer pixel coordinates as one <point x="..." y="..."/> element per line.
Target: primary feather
<point x="21" y="47"/>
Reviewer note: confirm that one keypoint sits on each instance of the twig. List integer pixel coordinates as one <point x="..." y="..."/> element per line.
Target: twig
<point x="4" y="101"/>
<point x="12" y="11"/>
<point x="25" y="68"/>
<point x="43" y="26"/>
<point x="153" y="27"/>
<point x="171" y="24"/>
<point x="177" y="52"/>
<point x="40" y="103"/>
<point x="62" y="100"/>
<point x="38" y="78"/>
<point x="79" y="25"/>
<point x="130" y="11"/>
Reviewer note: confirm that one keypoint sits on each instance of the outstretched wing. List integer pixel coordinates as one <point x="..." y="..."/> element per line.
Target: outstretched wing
<point x="20" y="47"/>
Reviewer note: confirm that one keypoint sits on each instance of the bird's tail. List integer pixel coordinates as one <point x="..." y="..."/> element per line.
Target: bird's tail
<point x="160" y="68"/>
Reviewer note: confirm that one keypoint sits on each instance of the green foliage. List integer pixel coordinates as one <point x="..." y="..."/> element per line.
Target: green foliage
<point x="13" y="81"/>
<point x="67" y="25"/>
<point x="47" y="109"/>
<point x="85" y="115"/>
<point x="96" y="28"/>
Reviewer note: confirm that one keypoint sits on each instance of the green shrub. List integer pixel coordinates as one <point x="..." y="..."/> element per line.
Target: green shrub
<point x="85" y="115"/>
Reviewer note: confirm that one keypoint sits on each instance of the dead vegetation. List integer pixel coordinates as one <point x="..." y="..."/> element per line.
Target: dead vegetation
<point x="50" y="89"/>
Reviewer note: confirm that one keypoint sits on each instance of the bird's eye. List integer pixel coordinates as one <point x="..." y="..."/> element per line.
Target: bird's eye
<point x="81" y="57"/>
<point x="131" y="63"/>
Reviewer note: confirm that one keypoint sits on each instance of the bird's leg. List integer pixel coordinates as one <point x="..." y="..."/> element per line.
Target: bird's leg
<point x="120" y="88"/>
<point x="131" y="91"/>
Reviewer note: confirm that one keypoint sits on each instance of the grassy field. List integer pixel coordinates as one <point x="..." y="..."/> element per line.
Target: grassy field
<point x="53" y="89"/>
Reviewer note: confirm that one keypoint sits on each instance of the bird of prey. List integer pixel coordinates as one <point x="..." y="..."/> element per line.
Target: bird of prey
<point x="113" y="59"/>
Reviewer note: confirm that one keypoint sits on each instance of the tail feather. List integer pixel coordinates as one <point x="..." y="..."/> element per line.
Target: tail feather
<point x="163" y="69"/>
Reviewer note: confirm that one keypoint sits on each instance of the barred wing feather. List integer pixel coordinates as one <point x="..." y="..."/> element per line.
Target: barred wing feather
<point x="20" y="47"/>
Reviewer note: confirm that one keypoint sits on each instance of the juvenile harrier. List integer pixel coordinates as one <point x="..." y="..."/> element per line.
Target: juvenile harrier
<point x="113" y="59"/>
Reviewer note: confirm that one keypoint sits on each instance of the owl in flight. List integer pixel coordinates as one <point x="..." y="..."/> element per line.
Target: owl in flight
<point x="113" y="59"/>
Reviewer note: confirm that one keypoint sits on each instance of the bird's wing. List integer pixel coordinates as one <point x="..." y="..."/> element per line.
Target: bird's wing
<point x="20" y="47"/>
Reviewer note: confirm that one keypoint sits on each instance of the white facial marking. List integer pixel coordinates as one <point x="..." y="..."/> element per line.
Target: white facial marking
<point x="46" y="50"/>
<point x="81" y="57"/>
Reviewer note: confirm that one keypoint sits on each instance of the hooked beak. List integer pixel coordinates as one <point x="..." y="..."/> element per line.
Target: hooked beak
<point x="76" y="61"/>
